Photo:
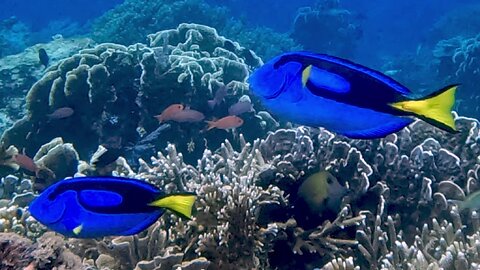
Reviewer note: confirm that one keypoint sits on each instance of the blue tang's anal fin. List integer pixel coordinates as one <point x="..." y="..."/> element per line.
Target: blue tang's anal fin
<point x="380" y="131"/>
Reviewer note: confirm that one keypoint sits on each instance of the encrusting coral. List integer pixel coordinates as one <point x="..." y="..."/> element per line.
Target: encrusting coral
<point x="48" y="252"/>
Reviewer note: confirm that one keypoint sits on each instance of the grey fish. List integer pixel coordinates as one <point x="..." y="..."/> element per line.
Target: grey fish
<point x="152" y="136"/>
<point x="219" y="96"/>
<point x="188" y="116"/>
<point x="472" y="201"/>
<point x="61" y="113"/>
<point x="240" y="107"/>
<point x="43" y="57"/>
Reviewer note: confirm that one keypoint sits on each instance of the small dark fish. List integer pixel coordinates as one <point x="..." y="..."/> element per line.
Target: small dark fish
<point x="240" y="107"/>
<point x="61" y="113"/>
<point x="152" y="136"/>
<point x="108" y="157"/>
<point x="219" y="96"/>
<point x="187" y="115"/>
<point x="91" y="207"/>
<point x="43" y="57"/>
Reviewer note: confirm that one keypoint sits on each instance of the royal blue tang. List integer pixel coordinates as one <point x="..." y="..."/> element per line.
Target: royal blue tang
<point x="90" y="207"/>
<point x="324" y="91"/>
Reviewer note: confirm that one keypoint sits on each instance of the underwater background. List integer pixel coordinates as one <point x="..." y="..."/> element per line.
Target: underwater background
<point x="83" y="85"/>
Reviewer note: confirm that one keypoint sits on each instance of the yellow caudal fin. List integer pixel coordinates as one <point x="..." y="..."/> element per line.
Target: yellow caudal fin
<point x="306" y="74"/>
<point x="435" y="109"/>
<point x="181" y="204"/>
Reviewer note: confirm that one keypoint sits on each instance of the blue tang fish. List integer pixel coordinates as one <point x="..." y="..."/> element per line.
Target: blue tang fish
<point x="324" y="91"/>
<point x="90" y="207"/>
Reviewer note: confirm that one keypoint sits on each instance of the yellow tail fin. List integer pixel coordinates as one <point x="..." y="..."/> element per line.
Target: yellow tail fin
<point x="180" y="204"/>
<point x="435" y="109"/>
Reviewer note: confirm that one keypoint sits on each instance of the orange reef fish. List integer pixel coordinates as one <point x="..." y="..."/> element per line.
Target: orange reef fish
<point x="324" y="91"/>
<point x="168" y="112"/>
<point x="26" y="163"/>
<point x="61" y="113"/>
<point x="188" y="116"/>
<point x="226" y="122"/>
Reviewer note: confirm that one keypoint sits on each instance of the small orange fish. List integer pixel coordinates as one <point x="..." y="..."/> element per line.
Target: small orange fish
<point x="26" y="163"/>
<point x="169" y="112"/>
<point x="226" y="122"/>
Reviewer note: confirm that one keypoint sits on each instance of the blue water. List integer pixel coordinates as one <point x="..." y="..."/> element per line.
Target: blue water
<point x="390" y="27"/>
<point x="38" y="14"/>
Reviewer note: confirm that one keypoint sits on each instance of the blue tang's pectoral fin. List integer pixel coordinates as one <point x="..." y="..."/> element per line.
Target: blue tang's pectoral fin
<point x="99" y="198"/>
<point x="320" y="81"/>
<point x="380" y="131"/>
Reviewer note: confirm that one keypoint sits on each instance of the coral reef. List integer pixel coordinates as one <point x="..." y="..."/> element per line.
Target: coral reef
<point x="326" y="27"/>
<point x="131" y="21"/>
<point x="453" y="23"/>
<point x="127" y="86"/>
<point x="264" y="41"/>
<point x="20" y="71"/>
<point x="397" y="213"/>
<point x="48" y="252"/>
<point x="457" y="61"/>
